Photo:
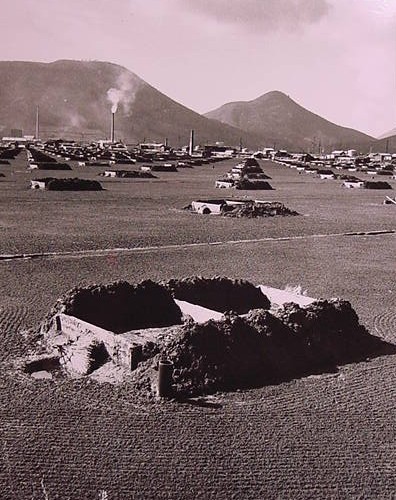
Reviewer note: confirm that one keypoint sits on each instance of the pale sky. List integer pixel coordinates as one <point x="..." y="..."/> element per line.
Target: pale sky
<point x="337" y="58"/>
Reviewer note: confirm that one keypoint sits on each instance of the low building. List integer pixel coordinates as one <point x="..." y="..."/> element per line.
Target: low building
<point x="326" y="174"/>
<point x="224" y="183"/>
<point x="39" y="183"/>
<point x="357" y="183"/>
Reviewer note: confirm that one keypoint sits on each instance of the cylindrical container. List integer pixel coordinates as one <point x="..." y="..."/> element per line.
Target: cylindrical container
<point x="165" y="378"/>
<point x="135" y="353"/>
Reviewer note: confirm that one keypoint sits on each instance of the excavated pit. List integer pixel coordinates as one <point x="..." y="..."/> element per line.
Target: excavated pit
<point x="243" y="344"/>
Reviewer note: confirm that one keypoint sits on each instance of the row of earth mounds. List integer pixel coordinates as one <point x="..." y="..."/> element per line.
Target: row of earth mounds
<point x="218" y="293"/>
<point x="67" y="184"/>
<point x="246" y="175"/>
<point x="266" y="348"/>
<point x="139" y="327"/>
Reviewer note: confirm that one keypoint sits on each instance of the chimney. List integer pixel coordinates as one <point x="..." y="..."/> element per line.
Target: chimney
<point x="37" y="123"/>
<point x="191" y="146"/>
<point x="112" y="128"/>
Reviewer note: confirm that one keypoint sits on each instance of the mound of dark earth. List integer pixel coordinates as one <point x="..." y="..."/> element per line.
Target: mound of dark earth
<point x="53" y="184"/>
<point x="252" y="210"/>
<point x="377" y="185"/>
<point x="53" y="166"/>
<point x="265" y="348"/>
<point x="248" y="184"/>
<point x="249" y="346"/>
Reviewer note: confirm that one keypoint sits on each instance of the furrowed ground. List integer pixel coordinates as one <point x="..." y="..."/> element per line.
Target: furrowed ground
<point x="329" y="436"/>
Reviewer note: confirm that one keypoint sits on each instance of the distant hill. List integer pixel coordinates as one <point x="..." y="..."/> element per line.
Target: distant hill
<point x="386" y="144"/>
<point x="388" y="134"/>
<point x="75" y="100"/>
<point x="282" y="122"/>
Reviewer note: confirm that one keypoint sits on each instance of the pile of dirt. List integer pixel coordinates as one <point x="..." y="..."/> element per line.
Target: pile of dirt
<point x="163" y="168"/>
<point x="264" y="348"/>
<point x="136" y="174"/>
<point x="218" y="293"/>
<point x="252" y="209"/>
<point x="347" y="177"/>
<point x="120" y="307"/>
<point x="52" y="166"/>
<point x="245" y="183"/>
<point x="53" y="184"/>
<point x="377" y="185"/>
<point x="9" y="154"/>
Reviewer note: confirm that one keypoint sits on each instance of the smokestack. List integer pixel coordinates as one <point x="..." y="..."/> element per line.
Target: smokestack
<point x="191" y="146"/>
<point x="37" y="123"/>
<point x="112" y="127"/>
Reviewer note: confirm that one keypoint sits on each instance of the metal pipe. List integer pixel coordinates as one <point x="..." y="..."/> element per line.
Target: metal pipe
<point x="165" y="378"/>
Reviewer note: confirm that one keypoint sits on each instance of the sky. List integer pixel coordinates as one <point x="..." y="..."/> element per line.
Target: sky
<point x="336" y="58"/>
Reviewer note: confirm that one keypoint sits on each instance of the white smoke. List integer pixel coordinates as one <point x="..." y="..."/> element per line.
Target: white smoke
<point x="125" y="92"/>
<point x="114" y="96"/>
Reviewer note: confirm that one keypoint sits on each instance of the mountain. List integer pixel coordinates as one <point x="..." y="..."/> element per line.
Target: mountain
<point x="75" y="99"/>
<point x="388" y="134"/>
<point x="387" y="144"/>
<point x="281" y="121"/>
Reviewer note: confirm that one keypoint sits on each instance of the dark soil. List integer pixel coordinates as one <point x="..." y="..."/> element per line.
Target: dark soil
<point x="219" y="293"/>
<point x="377" y="185"/>
<point x="264" y="348"/>
<point x="252" y="209"/>
<point x="53" y="184"/>
<point x="120" y="306"/>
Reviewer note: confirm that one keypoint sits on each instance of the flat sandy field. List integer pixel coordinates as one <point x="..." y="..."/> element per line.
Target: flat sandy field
<point x="328" y="436"/>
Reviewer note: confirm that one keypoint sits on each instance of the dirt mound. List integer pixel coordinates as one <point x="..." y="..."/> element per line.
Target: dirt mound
<point x="53" y="166"/>
<point x="252" y="209"/>
<point x="264" y="348"/>
<point x="377" y="185"/>
<point x="253" y="184"/>
<point x="164" y="168"/>
<point x="120" y="306"/>
<point x="219" y="293"/>
<point x="136" y="174"/>
<point x="52" y="184"/>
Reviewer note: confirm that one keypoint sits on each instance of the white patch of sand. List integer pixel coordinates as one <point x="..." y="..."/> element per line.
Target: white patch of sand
<point x="198" y="313"/>
<point x="41" y="375"/>
<point x="279" y="297"/>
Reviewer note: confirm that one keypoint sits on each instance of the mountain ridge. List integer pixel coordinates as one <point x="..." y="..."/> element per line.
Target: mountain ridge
<point x="276" y="116"/>
<point x="73" y="99"/>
